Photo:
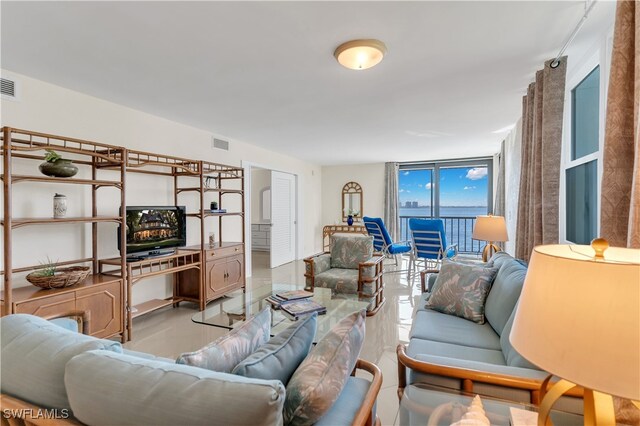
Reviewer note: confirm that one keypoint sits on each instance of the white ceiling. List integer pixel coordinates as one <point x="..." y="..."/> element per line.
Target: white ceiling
<point x="264" y="72"/>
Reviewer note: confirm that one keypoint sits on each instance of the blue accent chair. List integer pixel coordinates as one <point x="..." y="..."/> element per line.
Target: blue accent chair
<point x="429" y="243"/>
<point x="382" y="240"/>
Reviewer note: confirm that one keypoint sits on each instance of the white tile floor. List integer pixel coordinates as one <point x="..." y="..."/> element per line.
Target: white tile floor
<point x="169" y="332"/>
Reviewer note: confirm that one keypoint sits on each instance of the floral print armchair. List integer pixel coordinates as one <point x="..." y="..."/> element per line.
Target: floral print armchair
<point x="351" y="268"/>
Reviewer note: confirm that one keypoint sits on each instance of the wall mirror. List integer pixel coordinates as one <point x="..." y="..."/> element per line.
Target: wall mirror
<point x="265" y="204"/>
<point x="352" y="200"/>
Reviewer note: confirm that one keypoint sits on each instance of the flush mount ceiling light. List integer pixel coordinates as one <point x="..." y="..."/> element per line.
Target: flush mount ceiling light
<point x="360" y="54"/>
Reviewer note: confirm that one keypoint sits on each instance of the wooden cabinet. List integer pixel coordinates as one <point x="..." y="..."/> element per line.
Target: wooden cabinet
<point x="223" y="272"/>
<point x="99" y="297"/>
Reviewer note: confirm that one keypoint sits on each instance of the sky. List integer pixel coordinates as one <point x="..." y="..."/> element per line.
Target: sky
<point x="459" y="186"/>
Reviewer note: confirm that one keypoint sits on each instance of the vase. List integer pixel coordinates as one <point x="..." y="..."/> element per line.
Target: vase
<point x="349" y="220"/>
<point x="59" y="206"/>
<point x="58" y="168"/>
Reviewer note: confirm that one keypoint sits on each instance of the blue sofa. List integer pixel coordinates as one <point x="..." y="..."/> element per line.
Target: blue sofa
<point x="84" y="380"/>
<point x="452" y="352"/>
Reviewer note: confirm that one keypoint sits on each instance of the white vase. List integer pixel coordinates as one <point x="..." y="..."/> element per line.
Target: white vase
<point x="59" y="206"/>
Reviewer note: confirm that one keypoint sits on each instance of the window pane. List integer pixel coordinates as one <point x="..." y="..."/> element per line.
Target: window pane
<point x="582" y="202"/>
<point x="585" y="120"/>
<point x="463" y="196"/>
<point x="463" y="191"/>
<point x="414" y="195"/>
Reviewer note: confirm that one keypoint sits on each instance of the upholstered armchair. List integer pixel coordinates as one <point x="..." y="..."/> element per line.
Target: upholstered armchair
<point x="350" y="268"/>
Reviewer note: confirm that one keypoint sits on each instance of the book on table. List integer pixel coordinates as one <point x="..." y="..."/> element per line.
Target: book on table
<point x="300" y="308"/>
<point x="294" y="294"/>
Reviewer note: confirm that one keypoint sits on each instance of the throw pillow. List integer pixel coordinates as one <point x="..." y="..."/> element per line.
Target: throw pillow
<point x="461" y="290"/>
<point x="462" y="261"/>
<point x="280" y="356"/>
<point x="348" y="251"/>
<point x="226" y="352"/>
<point x="318" y="381"/>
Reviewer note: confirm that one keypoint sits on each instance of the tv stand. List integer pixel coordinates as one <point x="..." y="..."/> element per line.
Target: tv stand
<point x="151" y="266"/>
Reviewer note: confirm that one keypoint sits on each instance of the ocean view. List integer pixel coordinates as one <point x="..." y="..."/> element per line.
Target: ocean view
<point x="458" y="231"/>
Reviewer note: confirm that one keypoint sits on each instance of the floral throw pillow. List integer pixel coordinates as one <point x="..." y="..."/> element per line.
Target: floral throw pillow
<point x="461" y="290"/>
<point x="228" y="351"/>
<point x="318" y="381"/>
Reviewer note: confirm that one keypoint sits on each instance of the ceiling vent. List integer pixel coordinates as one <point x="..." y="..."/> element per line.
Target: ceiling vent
<point x="9" y="89"/>
<point x="220" y="144"/>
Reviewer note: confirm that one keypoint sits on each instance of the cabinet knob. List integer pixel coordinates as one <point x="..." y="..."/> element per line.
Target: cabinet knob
<point x="236" y="249"/>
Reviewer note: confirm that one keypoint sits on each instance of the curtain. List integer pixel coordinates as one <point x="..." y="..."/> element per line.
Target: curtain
<point x="512" y="159"/>
<point x="620" y="200"/>
<point x="391" y="219"/>
<point x="498" y="205"/>
<point x="499" y="202"/>
<point x="538" y="203"/>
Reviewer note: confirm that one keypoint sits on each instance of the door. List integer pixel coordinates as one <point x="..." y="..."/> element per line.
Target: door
<point x="283" y="218"/>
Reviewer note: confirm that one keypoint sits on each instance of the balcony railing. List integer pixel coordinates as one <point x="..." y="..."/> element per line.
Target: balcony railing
<point x="458" y="230"/>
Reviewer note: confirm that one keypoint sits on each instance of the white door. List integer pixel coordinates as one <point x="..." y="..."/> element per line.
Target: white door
<point x="283" y="218"/>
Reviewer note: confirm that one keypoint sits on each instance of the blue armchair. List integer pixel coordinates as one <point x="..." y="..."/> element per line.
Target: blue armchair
<point x="382" y="240"/>
<point x="429" y="243"/>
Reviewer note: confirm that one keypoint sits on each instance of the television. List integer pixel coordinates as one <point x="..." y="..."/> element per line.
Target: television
<point x="154" y="230"/>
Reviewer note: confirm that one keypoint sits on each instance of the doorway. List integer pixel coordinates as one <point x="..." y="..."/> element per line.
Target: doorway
<point x="272" y="217"/>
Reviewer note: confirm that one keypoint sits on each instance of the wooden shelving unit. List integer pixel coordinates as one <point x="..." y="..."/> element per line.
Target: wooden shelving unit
<point x="99" y="295"/>
<point x="201" y="273"/>
<point x="152" y="267"/>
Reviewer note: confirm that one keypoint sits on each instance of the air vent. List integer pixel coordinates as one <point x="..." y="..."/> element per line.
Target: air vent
<point x="220" y="144"/>
<point x="8" y="88"/>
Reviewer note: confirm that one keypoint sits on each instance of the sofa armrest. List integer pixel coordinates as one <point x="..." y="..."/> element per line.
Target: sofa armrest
<point x="473" y="371"/>
<point x="427" y="278"/>
<point x="19" y="412"/>
<point x="314" y="265"/>
<point x="364" y="415"/>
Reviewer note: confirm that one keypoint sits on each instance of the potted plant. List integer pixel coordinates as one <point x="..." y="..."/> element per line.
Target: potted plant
<point x="56" y="166"/>
<point x="49" y="275"/>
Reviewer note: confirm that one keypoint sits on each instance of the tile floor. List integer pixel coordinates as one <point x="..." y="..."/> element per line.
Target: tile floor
<point x="169" y="332"/>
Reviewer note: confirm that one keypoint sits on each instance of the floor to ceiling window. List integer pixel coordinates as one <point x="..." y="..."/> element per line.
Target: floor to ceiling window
<point x="455" y="191"/>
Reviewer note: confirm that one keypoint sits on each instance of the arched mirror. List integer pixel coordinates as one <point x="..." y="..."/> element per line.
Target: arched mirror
<point x="352" y="201"/>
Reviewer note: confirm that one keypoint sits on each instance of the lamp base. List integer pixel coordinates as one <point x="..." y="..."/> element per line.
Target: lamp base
<point x="598" y="407"/>
<point x="488" y="251"/>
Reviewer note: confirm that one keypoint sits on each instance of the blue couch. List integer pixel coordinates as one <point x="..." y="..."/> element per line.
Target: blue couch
<point x="452" y="352"/>
<point x="96" y="381"/>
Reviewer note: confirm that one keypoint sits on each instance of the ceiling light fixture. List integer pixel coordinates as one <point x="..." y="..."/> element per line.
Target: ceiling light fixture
<point x="360" y="54"/>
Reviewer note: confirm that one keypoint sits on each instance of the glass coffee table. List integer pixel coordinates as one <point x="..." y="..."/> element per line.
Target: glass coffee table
<point x="231" y="311"/>
<point x="425" y="404"/>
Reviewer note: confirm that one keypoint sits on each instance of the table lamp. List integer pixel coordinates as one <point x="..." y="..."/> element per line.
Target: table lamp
<point x="578" y="318"/>
<point x="490" y="229"/>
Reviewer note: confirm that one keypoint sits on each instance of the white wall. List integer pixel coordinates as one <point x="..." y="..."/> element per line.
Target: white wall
<point x="371" y="179"/>
<point x="52" y="109"/>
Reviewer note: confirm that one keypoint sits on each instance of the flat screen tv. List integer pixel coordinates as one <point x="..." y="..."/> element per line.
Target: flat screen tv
<point x="155" y="229"/>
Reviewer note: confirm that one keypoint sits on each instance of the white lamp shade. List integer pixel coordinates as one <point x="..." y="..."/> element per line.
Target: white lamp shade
<point x="490" y="228"/>
<point x="579" y="318"/>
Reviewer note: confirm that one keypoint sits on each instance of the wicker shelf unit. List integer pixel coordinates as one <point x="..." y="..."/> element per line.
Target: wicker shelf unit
<point x="100" y="296"/>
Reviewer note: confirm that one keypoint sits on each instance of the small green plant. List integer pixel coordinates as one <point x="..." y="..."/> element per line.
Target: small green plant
<point x="51" y="156"/>
<point x="48" y="268"/>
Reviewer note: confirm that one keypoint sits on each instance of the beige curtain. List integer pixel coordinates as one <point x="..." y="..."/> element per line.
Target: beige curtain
<point x="620" y="201"/>
<point x="542" y="114"/>
<point x="391" y="217"/>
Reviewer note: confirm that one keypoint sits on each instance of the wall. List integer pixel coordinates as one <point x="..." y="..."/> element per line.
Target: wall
<point x="52" y="109"/>
<point x="369" y="176"/>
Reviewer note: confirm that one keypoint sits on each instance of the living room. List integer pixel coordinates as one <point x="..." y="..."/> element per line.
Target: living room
<point x="166" y="104"/>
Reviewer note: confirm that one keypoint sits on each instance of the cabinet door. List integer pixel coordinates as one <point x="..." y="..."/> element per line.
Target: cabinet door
<point x="103" y="304"/>
<point x="235" y="271"/>
<point x="48" y="307"/>
<point x="215" y="277"/>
